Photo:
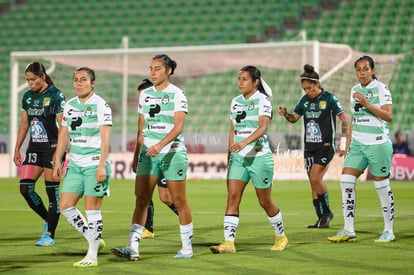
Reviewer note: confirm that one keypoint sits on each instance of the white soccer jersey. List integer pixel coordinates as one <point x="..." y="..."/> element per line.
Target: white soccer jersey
<point x="158" y="108"/>
<point x="367" y="128"/>
<point x="244" y="114"/>
<point x="83" y="121"/>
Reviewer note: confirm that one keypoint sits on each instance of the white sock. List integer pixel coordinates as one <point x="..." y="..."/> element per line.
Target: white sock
<point x="135" y="232"/>
<point x="348" y="201"/>
<point x="95" y="226"/>
<point x="77" y="220"/>
<point x="186" y="233"/>
<point x="230" y="227"/>
<point x="387" y="203"/>
<point x="277" y="224"/>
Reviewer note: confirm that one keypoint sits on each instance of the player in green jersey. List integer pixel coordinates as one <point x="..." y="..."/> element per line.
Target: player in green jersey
<point x="319" y="109"/>
<point x="87" y="121"/>
<point x="250" y="158"/>
<point x="42" y="108"/>
<point x="370" y="146"/>
<point x="160" y="149"/>
<point x="163" y="191"/>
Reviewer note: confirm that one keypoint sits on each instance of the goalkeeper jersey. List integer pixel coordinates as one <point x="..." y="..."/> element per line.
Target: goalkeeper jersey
<point x="367" y="128"/>
<point x="83" y="120"/>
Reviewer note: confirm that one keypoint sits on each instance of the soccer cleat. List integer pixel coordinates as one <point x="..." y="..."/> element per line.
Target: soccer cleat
<point x="385" y="237"/>
<point x="280" y="243"/>
<point x="224" y="247"/>
<point x="86" y="262"/>
<point x="343" y="236"/>
<point x="125" y="252"/>
<point x="146" y="234"/>
<point x="102" y="245"/>
<point x="45" y="240"/>
<point x="316" y="225"/>
<point x="325" y="220"/>
<point x="184" y="254"/>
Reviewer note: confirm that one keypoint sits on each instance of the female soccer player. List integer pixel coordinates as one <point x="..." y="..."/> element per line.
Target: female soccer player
<point x="161" y="149"/>
<point x="371" y="106"/>
<point x="87" y="121"/>
<point x="163" y="191"/>
<point x="319" y="109"/>
<point x="250" y="158"/>
<point x="42" y="107"/>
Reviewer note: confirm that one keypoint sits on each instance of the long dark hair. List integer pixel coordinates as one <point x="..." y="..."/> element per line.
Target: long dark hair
<point x="38" y="69"/>
<point x="255" y="74"/>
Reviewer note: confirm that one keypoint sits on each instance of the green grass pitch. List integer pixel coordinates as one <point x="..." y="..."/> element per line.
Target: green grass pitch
<point x="308" y="251"/>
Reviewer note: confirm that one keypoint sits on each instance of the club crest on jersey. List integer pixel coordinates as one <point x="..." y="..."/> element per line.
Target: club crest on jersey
<point x="322" y="105"/>
<point x="165" y="99"/>
<point x="88" y="111"/>
<point x="46" y="101"/>
<point x="369" y="94"/>
<point x="251" y="106"/>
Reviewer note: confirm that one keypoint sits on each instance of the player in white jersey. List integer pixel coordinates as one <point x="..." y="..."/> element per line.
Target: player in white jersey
<point x="250" y="158"/>
<point x="87" y="121"/>
<point x="163" y="191"/>
<point x="371" y="106"/>
<point x="160" y="149"/>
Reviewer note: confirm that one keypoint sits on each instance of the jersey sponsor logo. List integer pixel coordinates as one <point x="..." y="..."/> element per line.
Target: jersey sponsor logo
<point x="152" y="100"/>
<point x="76" y="123"/>
<point x="240" y="116"/>
<point x="154" y="109"/>
<point x="37" y="131"/>
<point x="81" y="140"/>
<point x="239" y="108"/>
<point x="184" y="104"/>
<point x="312" y="114"/>
<point x="35" y="112"/>
<point x="245" y="132"/>
<point x="156" y="127"/>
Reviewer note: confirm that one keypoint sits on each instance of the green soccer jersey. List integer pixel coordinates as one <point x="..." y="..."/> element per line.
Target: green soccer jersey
<point x="41" y="109"/>
<point x="319" y="118"/>
<point x="367" y="128"/>
<point x="244" y="114"/>
<point x="83" y="120"/>
<point x="158" y="108"/>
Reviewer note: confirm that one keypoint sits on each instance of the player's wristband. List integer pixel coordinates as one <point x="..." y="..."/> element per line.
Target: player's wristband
<point x="342" y="144"/>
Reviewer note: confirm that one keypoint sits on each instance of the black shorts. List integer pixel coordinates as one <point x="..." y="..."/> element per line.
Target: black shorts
<point x="322" y="157"/>
<point x="42" y="159"/>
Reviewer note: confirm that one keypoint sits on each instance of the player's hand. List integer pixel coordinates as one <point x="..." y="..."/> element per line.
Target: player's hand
<point x="360" y="98"/>
<point x="282" y="110"/>
<point x="100" y="174"/>
<point x="237" y="147"/>
<point x="154" y="150"/>
<point x="57" y="171"/>
<point x="17" y="159"/>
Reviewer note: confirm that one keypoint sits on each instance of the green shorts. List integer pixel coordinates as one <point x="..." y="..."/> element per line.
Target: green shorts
<point x="258" y="169"/>
<point x="82" y="181"/>
<point x="172" y="165"/>
<point x="378" y="157"/>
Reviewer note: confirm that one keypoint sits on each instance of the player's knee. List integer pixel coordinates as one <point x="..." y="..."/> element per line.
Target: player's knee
<point x="27" y="188"/>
